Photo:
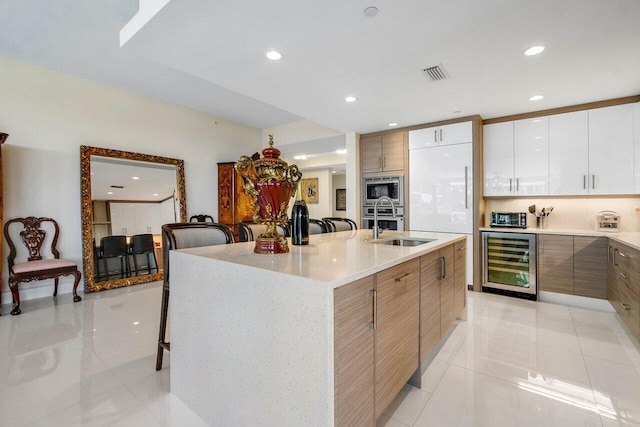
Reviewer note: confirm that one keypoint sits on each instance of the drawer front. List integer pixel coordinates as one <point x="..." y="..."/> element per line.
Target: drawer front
<point x="629" y="309"/>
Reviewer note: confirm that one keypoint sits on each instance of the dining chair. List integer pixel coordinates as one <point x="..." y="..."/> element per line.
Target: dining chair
<point x="142" y="244"/>
<point x="182" y="236"/>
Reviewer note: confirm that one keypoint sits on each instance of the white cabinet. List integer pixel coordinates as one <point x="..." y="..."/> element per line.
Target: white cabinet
<point x="569" y="153"/>
<point x="498" y="159"/>
<point x="531" y="156"/>
<point x="456" y="133"/>
<point x="138" y="218"/>
<point x="611" y="150"/>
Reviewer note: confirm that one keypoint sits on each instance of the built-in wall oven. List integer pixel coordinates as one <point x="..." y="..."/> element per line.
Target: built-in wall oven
<point x="376" y="187"/>
<point x="509" y="261"/>
<point x="386" y="221"/>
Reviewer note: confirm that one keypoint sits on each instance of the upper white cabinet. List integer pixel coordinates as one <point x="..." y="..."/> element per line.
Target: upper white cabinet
<point x="516" y="158"/>
<point x="456" y="133"/>
<point x="577" y="153"/>
<point x="498" y="159"/>
<point x="531" y="156"/>
<point x="611" y="150"/>
<point x="569" y="153"/>
<point x="139" y="218"/>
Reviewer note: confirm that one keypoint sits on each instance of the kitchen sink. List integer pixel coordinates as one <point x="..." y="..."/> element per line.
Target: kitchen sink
<point x="405" y="241"/>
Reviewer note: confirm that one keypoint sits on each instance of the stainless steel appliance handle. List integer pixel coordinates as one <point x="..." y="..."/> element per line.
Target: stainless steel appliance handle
<point x="373" y="293"/>
<point x="466" y="187"/>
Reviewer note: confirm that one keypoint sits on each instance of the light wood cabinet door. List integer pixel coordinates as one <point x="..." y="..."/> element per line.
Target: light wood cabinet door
<point x="611" y="150"/>
<point x="498" y="159"/>
<point x="590" y="266"/>
<point x="397" y="330"/>
<point x="371" y="153"/>
<point x="460" y="276"/>
<point x="354" y="354"/>
<point x="429" y="303"/>
<point x="555" y="263"/>
<point x="447" y="289"/>
<point x="393" y="152"/>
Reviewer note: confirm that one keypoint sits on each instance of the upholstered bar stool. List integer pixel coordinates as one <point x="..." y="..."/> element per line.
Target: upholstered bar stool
<point x="182" y="236"/>
<point x="340" y="224"/>
<point x="142" y="244"/>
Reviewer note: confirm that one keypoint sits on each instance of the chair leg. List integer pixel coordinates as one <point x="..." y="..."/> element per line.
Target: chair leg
<point x="135" y="263"/>
<point x="77" y="275"/>
<point x="55" y="287"/>
<point x="163" y="326"/>
<point x="13" y="285"/>
<point x="106" y="269"/>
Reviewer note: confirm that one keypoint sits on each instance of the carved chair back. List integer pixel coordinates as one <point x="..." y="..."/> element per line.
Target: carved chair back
<point x="33" y="238"/>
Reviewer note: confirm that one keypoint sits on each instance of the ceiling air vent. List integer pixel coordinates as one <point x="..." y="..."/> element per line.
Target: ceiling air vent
<point x="436" y="73"/>
<point x="117" y="186"/>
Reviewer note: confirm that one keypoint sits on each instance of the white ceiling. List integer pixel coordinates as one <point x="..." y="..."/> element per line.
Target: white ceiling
<point x="209" y="55"/>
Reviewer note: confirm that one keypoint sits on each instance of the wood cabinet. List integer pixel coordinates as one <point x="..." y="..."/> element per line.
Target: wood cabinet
<point x="447" y="289"/>
<point x="3" y="138"/>
<point x="573" y="265"/>
<point x="234" y="204"/>
<point x="624" y="281"/>
<point x="383" y="153"/>
<point x="460" y="276"/>
<point x="354" y="354"/>
<point x="555" y="263"/>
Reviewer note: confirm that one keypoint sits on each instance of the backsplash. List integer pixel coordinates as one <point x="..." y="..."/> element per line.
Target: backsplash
<point x="571" y="213"/>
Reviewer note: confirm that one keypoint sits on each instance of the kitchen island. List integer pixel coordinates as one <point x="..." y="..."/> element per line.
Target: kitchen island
<point x="253" y="336"/>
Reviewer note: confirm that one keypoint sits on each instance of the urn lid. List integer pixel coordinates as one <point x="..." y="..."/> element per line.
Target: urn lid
<point x="270" y="159"/>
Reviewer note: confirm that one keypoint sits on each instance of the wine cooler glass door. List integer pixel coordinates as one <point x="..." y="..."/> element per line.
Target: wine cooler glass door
<point x="510" y="262"/>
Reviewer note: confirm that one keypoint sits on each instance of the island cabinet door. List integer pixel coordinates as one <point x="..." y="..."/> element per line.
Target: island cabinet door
<point x="460" y="276"/>
<point x="354" y="353"/>
<point x="447" y="289"/>
<point x="429" y="303"/>
<point x="397" y="330"/>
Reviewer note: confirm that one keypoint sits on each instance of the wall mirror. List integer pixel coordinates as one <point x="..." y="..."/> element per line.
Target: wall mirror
<point x="125" y="197"/>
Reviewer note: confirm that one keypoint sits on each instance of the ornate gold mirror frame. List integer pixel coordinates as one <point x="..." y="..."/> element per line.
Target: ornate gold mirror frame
<point x="90" y="285"/>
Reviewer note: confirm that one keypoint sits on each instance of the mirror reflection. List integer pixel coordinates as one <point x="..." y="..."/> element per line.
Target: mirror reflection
<point x="126" y="199"/>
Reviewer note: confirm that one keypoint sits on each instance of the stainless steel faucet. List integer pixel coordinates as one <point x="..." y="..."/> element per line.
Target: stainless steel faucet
<point x="376" y="230"/>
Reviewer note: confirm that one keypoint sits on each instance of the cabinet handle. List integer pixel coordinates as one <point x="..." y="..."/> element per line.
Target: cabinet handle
<point x="593" y="182"/>
<point x="401" y="278"/>
<point x="626" y="307"/>
<point x="614" y="256"/>
<point x="466" y="187"/>
<point x="623" y="255"/>
<point x="541" y="242"/>
<point x="517" y="184"/>
<point x="373" y="293"/>
<point x="462" y="248"/>
<point x="435" y="135"/>
<point x="440" y="135"/>
<point x="623" y="275"/>
<point x="584" y="182"/>
<point x="609" y="259"/>
<point x="443" y="268"/>
<point x="384" y="161"/>
<point x="510" y="184"/>
<point x="380" y="163"/>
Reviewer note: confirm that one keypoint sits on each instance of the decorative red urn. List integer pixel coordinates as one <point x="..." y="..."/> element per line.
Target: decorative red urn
<point x="271" y="182"/>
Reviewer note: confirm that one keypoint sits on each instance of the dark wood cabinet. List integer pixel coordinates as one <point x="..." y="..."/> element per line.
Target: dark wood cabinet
<point x="3" y="138"/>
<point x="234" y="204"/>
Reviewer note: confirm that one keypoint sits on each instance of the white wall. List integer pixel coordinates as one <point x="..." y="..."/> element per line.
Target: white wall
<point x="339" y="181"/>
<point x="49" y="115"/>
<point x="325" y="186"/>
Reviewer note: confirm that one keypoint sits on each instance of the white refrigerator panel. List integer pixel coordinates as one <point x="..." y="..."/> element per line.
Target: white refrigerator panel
<point x="440" y="185"/>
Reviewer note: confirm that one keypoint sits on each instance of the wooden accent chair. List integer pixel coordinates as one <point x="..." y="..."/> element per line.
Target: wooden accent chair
<point x="182" y="236"/>
<point x="340" y="224"/>
<point x="37" y="267"/>
<point x="201" y="218"/>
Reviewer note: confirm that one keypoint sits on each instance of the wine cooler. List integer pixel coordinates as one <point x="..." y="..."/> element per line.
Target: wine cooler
<point x="509" y="263"/>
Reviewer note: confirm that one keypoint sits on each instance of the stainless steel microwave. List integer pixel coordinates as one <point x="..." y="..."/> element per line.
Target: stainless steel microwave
<point x="376" y="187"/>
<point x="509" y="219"/>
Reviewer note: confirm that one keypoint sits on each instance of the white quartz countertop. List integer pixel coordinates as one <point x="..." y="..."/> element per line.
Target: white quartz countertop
<point x="334" y="258"/>
<point x="628" y="238"/>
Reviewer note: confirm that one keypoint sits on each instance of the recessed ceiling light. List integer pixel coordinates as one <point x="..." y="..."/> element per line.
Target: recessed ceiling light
<point x="274" y="55"/>
<point x="371" y="11"/>
<point x="109" y="192"/>
<point x="393" y="124"/>
<point x="135" y="177"/>
<point x="536" y="98"/>
<point x="350" y="99"/>
<point x="333" y="171"/>
<point x="341" y="151"/>
<point x="156" y="194"/>
<point x="534" y="50"/>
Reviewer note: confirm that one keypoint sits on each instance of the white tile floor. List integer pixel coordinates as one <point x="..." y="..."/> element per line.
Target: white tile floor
<point x="512" y="363"/>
